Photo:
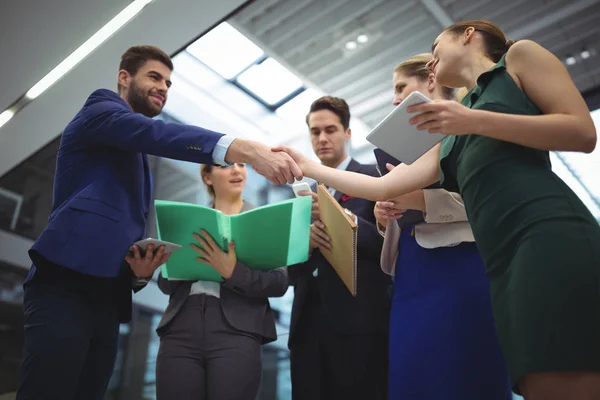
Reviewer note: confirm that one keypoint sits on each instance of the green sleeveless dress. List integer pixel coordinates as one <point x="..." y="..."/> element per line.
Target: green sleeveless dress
<point x="539" y="243"/>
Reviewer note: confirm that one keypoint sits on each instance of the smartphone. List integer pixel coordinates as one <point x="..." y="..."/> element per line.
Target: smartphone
<point x="384" y="158"/>
<point x="410" y="217"/>
<point x="300" y="187"/>
<point x="142" y="244"/>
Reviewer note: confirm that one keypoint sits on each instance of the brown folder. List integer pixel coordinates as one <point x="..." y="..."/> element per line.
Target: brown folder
<point x="342" y="230"/>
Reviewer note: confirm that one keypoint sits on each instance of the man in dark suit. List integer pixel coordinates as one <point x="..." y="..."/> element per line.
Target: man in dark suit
<point x="338" y="343"/>
<point x="79" y="287"/>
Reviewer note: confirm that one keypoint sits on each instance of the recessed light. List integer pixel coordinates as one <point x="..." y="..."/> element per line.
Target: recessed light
<point x="585" y="54"/>
<point x="362" y="39"/>
<point x="6" y="116"/>
<point x="570" y="60"/>
<point x="351" y="45"/>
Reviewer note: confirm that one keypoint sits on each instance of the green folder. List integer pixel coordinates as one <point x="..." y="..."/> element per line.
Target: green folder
<point x="267" y="237"/>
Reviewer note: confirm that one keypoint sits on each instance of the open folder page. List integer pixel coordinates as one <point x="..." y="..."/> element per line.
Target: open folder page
<point x="342" y="230"/>
<point x="267" y="237"/>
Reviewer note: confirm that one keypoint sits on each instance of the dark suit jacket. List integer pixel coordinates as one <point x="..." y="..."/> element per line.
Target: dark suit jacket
<point x="103" y="191"/>
<point x="103" y="186"/>
<point x="368" y="312"/>
<point x="244" y="298"/>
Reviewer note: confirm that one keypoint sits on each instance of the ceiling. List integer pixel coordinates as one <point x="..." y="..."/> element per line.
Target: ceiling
<point x="310" y="36"/>
<point x="60" y="26"/>
<point x="37" y="35"/>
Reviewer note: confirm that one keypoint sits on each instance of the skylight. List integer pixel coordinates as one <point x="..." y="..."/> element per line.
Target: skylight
<point x="295" y="110"/>
<point x="225" y="50"/>
<point x="270" y="81"/>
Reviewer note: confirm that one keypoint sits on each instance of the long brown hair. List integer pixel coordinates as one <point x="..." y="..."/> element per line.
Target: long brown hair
<point x="416" y="66"/>
<point x="496" y="44"/>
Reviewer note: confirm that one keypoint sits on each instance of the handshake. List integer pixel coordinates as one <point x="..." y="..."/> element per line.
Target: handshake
<point x="278" y="164"/>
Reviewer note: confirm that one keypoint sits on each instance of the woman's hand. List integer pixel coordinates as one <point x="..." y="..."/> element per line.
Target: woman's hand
<point x="211" y="254"/>
<point x="385" y="211"/>
<point x="394" y="208"/>
<point x="445" y="116"/>
<point x="303" y="162"/>
<point x="410" y="201"/>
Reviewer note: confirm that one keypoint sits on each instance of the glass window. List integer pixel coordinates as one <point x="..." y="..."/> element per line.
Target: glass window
<point x="295" y="110"/>
<point x="26" y="193"/>
<point x="270" y="81"/>
<point x="225" y="50"/>
<point x="579" y="171"/>
<point x="10" y="207"/>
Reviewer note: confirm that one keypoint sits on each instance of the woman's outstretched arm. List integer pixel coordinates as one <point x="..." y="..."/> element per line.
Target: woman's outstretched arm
<point x="401" y="180"/>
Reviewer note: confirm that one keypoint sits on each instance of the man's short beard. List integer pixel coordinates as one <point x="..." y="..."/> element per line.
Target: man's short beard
<point x="140" y="102"/>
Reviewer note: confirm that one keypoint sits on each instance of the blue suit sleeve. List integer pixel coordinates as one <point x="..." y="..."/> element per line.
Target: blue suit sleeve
<point x="108" y="124"/>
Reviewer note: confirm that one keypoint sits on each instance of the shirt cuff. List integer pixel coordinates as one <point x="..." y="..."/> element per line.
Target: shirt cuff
<point x="380" y="229"/>
<point x="220" y="150"/>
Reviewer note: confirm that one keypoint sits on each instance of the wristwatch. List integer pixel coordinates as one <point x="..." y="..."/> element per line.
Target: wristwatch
<point x="140" y="281"/>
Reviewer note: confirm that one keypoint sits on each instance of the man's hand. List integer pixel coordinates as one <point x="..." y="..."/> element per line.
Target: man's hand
<point x="277" y="167"/>
<point x="144" y="267"/>
<point x="315" y="204"/>
<point x="298" y="157"/>
<point x="318" y="237"/>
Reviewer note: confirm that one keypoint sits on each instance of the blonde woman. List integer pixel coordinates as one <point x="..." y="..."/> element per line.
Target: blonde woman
<point x="211" y="333"/>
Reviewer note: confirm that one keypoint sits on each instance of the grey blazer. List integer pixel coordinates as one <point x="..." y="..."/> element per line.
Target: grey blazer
<point x="445" y="225"/>
<point x="244" y="298"/>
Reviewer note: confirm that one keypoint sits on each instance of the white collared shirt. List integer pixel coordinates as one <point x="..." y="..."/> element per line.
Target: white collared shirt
<point x="342" y="167"/>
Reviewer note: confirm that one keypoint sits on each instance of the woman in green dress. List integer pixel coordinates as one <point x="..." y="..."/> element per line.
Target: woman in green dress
<point x="540" y="244"/>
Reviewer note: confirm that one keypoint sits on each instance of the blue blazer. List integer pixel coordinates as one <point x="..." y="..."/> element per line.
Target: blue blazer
<point x="103" y="186"/>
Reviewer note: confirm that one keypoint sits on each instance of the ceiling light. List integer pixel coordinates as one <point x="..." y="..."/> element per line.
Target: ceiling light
<point x="6" y="116"/>
<point x="362" y="39"/>
<point x="585" y="54"/>
<point x="351" y="45"/>
<point x="570" y="60"/>
<point x="86" y="48"/>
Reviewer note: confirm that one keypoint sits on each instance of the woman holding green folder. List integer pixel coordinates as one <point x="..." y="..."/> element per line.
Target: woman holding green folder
<point x="211" y="333"/>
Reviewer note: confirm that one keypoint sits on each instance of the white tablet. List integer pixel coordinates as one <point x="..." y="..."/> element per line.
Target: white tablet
<point x="397" y="137"/>
<point x="169" y="247"/>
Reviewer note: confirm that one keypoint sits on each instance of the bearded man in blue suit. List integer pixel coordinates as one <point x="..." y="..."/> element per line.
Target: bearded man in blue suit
<point x="80" y="285"/>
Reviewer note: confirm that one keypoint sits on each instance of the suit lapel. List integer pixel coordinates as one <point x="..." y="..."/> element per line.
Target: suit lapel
<point x="338" y="196"/>
<point x="147" y="182"/>
<point x="352" y="167"/>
